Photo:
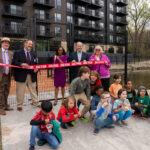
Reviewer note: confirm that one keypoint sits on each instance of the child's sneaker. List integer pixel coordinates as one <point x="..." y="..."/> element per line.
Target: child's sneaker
<point x="118" y="123"/>
<point x="70" y="124"/>
<point x="124" y="123"/>
<point x="96" y="131"/>
<point x="84" y="119"/>
<point x="31" y="148"/>
<point x="143" y="117"/>
<point x="41" y="142"/>
<point x="64" y="126"/>
<point x="135" y="115"/>
<point x="73" y="122"/>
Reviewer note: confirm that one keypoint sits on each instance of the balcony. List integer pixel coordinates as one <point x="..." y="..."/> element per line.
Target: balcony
<point x="43" y="19"/>
<point x="120" y="31"/>
<point x="120" y="41"/>
<point x="17" y="31"/>
<point x="95" y="27"/>
<point x="82" y="2"/>
<point x="121" y="3"/>
<point x="19" y="1"/>
<point x="44" y="34"/>
<point x="121" y="12"/>
<point x="121" y="22"/>
<point x="96" y="4"/>
<point x="81" y="13"/>
<point x="81" y="25"/>
<point x="13" y="13"/>
<point x="94" y="16"/>
<point x="44" y="3"/>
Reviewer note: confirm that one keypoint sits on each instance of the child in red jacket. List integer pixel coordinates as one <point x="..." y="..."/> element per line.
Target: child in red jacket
<point x="68" y="112"/>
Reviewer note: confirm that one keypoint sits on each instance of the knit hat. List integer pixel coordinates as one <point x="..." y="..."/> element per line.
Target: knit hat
<point x="5" y="39"/>
<point x="141" y="88"/>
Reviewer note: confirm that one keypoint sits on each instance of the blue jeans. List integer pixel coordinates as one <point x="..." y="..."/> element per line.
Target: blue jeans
<point x="123" y="115"/>
<point x="101" y="122"/>
<point x="50" y="138"/>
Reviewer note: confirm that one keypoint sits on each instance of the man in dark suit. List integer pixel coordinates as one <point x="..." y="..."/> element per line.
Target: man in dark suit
<point x="5" y="75"/>
<point x="77" y="56"/>
<point x="25" y="77"/>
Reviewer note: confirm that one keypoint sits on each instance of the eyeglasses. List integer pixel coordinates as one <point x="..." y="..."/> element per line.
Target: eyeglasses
<point x="98" y="49"/>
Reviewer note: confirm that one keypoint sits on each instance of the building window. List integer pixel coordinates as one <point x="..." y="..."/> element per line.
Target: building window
<point x="57" y="17"/>
<point x="120" y="40"/>
<point x="69" y="19"/>
<point x="15" y="26"/>
<point x="101" y="25"/>
<point x="102" y="3"/>
<point x="111" y="27"/>
<point x="101" y="14"/>
<point x="81" y="32"/>
<point x="111" y="7"/>
<point x="69" y="7"/>
<point x="41" y="30"/>
<point x="15" y="10"/>
<point x="81" y="9"/>
<point x="58" y="31"/>
<point x="111" y="38"/>
<point x="92" y="23"/>
<point x="81" y="21"/>
<point x="111" y="17"/>
<point x="58" y="4"/>
<point x="120" y="50"/>
<point x="92" y="12"/>
<point x="40" y="14"/>
<point x="42" y="45"/>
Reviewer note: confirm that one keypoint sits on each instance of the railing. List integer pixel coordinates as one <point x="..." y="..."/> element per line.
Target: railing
<point x="49" y="3"/>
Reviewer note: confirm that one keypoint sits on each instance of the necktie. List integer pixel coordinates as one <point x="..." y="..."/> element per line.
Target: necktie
<point x="6" y="61"/>
<point x="28" y="58"/>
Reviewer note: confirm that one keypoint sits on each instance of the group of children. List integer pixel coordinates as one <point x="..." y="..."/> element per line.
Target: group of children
<point x="105" y="108"/>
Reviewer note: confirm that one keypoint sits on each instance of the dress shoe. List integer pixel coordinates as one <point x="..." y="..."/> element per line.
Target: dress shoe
<point x="19" y="108"/>
<point x="9" y="109"/>
<point x="2" y="113"/>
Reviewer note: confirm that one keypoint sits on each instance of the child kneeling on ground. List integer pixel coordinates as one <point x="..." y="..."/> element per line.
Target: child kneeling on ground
<point x="122" y="107"/>
<point x="45" y="128"/>
<point x="142" y="103"/>
<point x="68" y="113"/>
<point x="104" y="115"/>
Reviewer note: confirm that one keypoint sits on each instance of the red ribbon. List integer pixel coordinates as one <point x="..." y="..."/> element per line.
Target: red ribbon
<point x="58" y="65"/>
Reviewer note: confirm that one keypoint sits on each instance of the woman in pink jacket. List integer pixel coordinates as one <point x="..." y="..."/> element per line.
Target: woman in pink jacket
<point x="102" y="69"/>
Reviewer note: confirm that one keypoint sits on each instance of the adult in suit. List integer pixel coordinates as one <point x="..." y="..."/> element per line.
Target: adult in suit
<point x="5" y="75"/>
<point x="77" y="56"/>
<point x="25" y="77"/>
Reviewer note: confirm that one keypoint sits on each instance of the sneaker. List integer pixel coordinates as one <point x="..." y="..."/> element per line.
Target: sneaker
<point x="70" y="124"/>
<point x="84" y="119"/>
<point x="143" y="117"/>
<point x="135" y="115"/>
<point x="73" y="122"/>
<point x="64" y="126"/>
<point x="96" y="131"/>
<point x="31" y="148"/>
<point x="118" y="123"/>
<point x="124" y="123"/>
<point x="41" y="142"/>
<point x="109" y="127"/>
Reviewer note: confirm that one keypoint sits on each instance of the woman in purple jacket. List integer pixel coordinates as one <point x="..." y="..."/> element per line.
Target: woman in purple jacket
<point x="102" y="69"/>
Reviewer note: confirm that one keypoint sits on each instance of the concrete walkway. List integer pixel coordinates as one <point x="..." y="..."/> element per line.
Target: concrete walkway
<point x="16" y="133"/>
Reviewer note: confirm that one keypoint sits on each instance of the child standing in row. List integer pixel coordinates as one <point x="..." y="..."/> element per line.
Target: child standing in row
<point x="104" y="116"/>
<point x="68" y="112"/>
<point x="96" y="100"/>
<point x="80" y="89"/>
<point x="115" y="87"/>
<point x="122" y="107"/>
<point x="44" y="127"/>
<point x="131" y="94"/>
<point x="142" y="102"/>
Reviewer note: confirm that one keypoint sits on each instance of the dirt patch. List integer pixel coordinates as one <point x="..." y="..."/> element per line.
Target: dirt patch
<point x="6" y="131"/>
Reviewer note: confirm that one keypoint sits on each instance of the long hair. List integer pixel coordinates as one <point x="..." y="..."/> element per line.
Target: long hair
<point x="67" y="100"/>
<point x="64" y="53"/>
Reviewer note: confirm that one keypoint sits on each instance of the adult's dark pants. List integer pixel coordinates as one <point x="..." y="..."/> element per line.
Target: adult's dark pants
<point x="105" y="83"/>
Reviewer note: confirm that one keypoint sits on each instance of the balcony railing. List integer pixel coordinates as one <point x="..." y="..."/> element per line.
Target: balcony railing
<point x="79" y="11"/>
<point x="43" y="19"/>
<point x="14" y="13"/>
<point x="121" y="21"/>
<point x="82" y="1"/>
<point x="45" y="34"/>
<point x="15" y="31"/>
<point x="121" y="12"/>
<point x="95" y="15"/>
<point x="121" y="3"/>
<point x="81" y="25"/>
<point x="96" y="3"/>
<point x="19" y="1"/>
<point x="45" y="3"/>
